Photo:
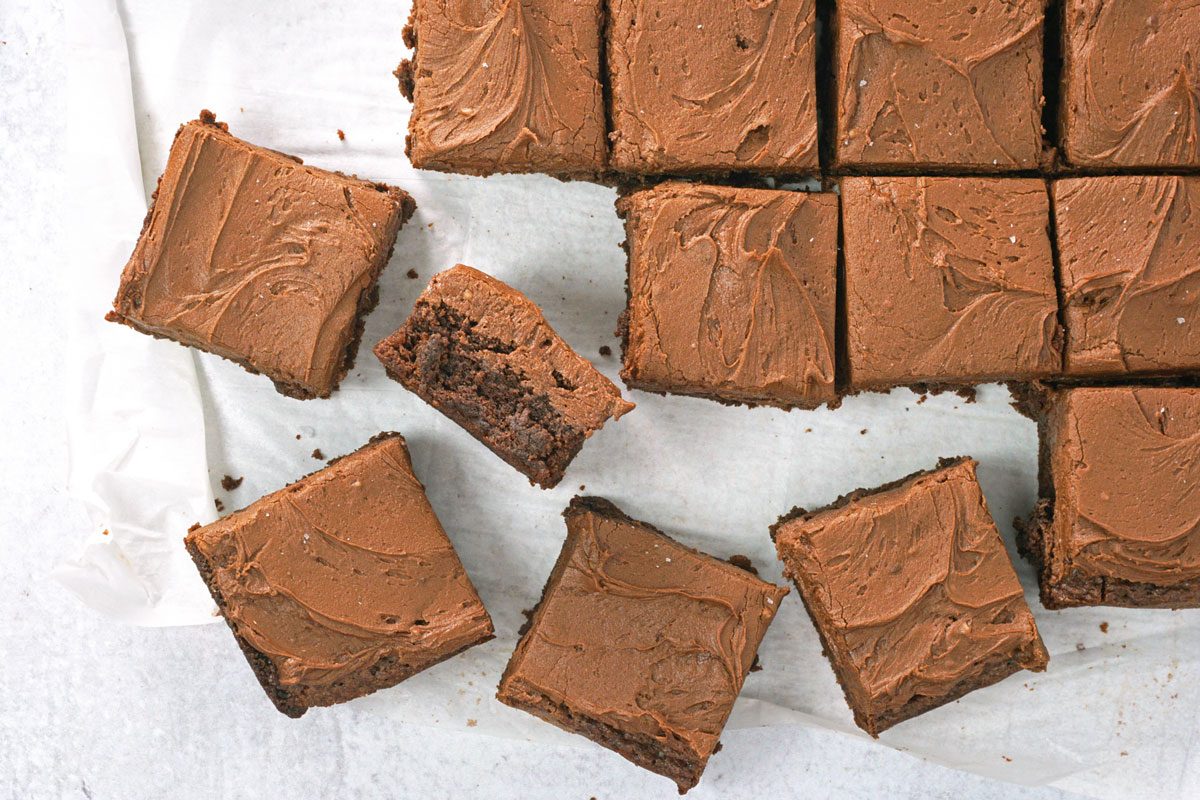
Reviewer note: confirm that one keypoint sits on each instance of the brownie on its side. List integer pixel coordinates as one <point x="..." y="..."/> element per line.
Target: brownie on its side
<point x="341" y="583"/>
<point x="912" y="593"/>
<point x="922" y="87"/>
<point x="1130" y="274"/>
<point x="505" y="86"/>
<point x="713" y="87"/>
<point x="949" y="282"/>
<point x="639" y="643"/>
<point x="249" y="254"/>
<point x="1130" y="72"/>
<point x="481" y="353"/>
<point x="732" y="294"/>
<point x="1118" y="522"/>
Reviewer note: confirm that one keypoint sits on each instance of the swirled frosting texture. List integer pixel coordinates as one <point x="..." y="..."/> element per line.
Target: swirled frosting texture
<point x="712" y="87"/>
<point x="341" y="574"/>
<point x="1126" y="471"/>
<point x="1131" y="83"/>
<point x="253" y="256"/>
<point x="1130" y="273"/>
<point x="644" y="636"/>
<point x="939" y="83"/>
<point x="506" y="86"/>
<point x="948" y="281"/>
<point x="913" y="593"/>
<point x="732" y="293"/>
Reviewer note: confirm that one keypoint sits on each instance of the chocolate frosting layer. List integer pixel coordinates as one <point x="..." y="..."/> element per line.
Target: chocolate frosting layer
<point x="713" y="86"/>
<point x="942" y="83"/>
<point x="1130" y="273"/>
<point x="343" y="570"/>
<point x="640" y="633"/>
<point x="528" y="346"/>
<point x="253" y="256"/>
<point x="732" y="293"/>
<point x="1126" y="471"/>
<point x="1131" y="83"/>
<point x="506" y="86"/>
<point x="912" y="589"/>
<point x="948" y="281"/>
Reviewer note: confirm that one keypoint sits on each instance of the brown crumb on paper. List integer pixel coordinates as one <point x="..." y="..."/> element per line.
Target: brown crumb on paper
<point x="605" y="350"/>
<point x="1104" y="627"/>
<point x="229" y="483"/>
<point x="412" y="274"/>
<point x="471" y="723"/>
<point x="341" y="135"/>
<point x="220" y="506"/>
<point x="743" y="562"/>
<point x="318" y="455"/>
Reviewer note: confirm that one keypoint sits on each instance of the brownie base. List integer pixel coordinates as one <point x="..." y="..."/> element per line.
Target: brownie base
<point x="434" y="356"/>
<point x="871" y="717"/>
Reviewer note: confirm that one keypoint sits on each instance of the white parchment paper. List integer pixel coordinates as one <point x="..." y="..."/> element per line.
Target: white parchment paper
<point x="154" y="427"/>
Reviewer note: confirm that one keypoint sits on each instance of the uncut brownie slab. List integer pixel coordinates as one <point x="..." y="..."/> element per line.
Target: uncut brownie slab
<point x="912" y="592"/>
<point x="639" y="643"/>
<point x="732" y="294"/>
<point x="712" y="87"/>
<point x="1130" y="74"/>
<point x="342" y="583"/>
<point x="926" y="86"/>
<point x="949" y="281"/>
<point x="481" y="353"/>
<point x="1118" y="523"/>
<point x="253" y="256"/>
<point x="505" y="86"/>
<point x="1128" y="248"/>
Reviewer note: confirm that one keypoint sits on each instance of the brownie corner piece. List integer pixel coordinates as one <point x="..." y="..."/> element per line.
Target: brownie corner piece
<point x="948" y="596"/>
<point x="483" y="354"/>
<point x="342" y="583"/>
<point x="1116" y="521"/>
<point x="928" y="88"/>
<point x="664" y="634"/>
<point x="713" y="88"/>
<point x="253" y="256"/>
<point x="506" y="87"/>
<point x="949" y="281"/>
<point x="732" y="294"/>
<point x="1129" y="78"/>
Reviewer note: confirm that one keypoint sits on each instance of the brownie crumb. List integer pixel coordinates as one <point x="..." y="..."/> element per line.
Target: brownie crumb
<point x="341" y="135"/>
<point x="922" y="399"/>
<point x="743" y="562"/>
<point x="808" y="430"/>
<point x="471" y="723"/>
<point x="967" y="393"/>
<point x="582" y="488"/>
<point x="528" y="614"/>
<point x="104" y="532"/>
<point x="863" y="432"/>
<point x="1104" y="627"/>
<point x="605" y="350"/>
<point x="1006" y="758"/>
<point x="1080" y="647"/>
<point x="412" y="274"/>
<point x="756" y="664"/>
<point x="220" y="506"/>
<point x="318" y="455"/>
<point x="229" y="483"/>
<point x="297" y="437"/>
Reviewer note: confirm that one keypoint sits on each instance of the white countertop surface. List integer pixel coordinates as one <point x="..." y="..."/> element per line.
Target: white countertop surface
<point x="94" y="709"/>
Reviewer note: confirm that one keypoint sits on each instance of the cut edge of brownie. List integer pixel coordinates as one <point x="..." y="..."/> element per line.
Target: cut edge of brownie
<point x="1035" y="534"/>
<point x="293" y="702"/>
<point x="869" y="716"/>
<point x="437" y="342"/>
<point x="683" y="765"/>
<point x="368" y="299"/>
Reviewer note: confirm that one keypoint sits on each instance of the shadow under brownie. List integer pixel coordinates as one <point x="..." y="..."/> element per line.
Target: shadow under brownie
<point x="639" y="643"/>
<point x="342" y="583"/>
<point x="483" y="354"/>
<point x="912" y="593"/>
<point x="249" y="254"/>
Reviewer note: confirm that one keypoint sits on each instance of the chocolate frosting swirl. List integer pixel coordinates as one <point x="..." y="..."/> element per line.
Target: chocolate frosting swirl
<point x="712" y="86"/>
<point x="1131" y="85"/>
<point x="1126" y="467"/>
<point x="342" y="570"/>
<point x="939" y="83"/>
<point x="732" y="293"/>
<point x="1130" y="274"/>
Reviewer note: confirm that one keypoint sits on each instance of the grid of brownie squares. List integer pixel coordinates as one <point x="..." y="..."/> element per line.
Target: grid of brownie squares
<point x="711" y="87"/>
<point x="732" y="294"/>
<point x="639" y="643"/>
<point x="1117" y="523"/>
<point x="912" y="593"/>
